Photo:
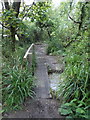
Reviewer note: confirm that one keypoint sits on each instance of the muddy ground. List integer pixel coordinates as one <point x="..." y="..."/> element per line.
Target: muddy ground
<point x="37" y="108"/>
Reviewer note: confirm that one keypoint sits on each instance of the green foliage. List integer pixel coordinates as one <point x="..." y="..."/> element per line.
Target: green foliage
<point x="56" y="27"/>
<point x="54" y="46"/>
<point x="75" y="86"/>
<point x="10" y="19"/>
<point x="17" y="85"/>
<point x="76" y="82"/>
<point x="32" y="32"/>
<point x="75" y="109"/>
<point x="38" y="13"/>
<point x="17" y="79"/>
<point x="15" y="26"/>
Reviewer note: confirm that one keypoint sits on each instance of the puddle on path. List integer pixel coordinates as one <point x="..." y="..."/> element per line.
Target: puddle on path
<point x="54" y="79"/>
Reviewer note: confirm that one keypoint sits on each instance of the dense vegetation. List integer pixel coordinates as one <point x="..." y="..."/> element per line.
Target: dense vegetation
<point x="66" y="29"/>
<point x="17" y="78"/>
<point x="71" y="39"/>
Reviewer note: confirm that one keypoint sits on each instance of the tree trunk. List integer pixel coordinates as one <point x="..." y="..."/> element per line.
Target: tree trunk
<point x="49" y="34"/>
<point x="2" y="22"/>
<point x="16" y="7"/>
<point x="13" y="40"/>
<point x="6" y="3"/>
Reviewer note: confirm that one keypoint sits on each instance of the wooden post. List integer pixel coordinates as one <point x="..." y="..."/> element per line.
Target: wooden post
<point x="2" y="21"/>
<point x="30" y="57"/>
<point x="33" y="59"/>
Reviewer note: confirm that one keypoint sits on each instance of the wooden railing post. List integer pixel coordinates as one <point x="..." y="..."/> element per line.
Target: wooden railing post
<point x="30" y="57"/>
<point x="33" y="59"/>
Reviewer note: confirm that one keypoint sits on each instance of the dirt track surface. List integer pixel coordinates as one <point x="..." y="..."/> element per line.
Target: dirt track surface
<point x="38" y="108"/>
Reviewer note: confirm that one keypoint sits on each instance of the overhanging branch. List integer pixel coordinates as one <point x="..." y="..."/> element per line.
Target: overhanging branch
<point x="74" y="20"/>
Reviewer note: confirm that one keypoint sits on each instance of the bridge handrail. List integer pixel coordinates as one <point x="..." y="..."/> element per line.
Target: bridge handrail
<point x="26" y="54"/>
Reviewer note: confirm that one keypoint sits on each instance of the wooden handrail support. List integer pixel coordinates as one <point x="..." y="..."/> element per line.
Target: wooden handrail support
<point x="27" y="53"/>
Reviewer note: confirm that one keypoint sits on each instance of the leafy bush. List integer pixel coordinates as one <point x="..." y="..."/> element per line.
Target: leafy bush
<point x="75" y="109"/>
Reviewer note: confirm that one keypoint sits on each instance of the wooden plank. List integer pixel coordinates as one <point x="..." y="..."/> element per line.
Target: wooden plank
<point x="26" y="54"/>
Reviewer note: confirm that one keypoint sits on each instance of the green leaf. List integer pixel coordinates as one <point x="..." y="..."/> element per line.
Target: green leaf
<point x="80" y="110"/>
<point x="69" y="117"/>
<point x="74" y="100"/>
<point x="65" y="111"/>
<point x="1" y="111"/>
<point x="67" y="104"/>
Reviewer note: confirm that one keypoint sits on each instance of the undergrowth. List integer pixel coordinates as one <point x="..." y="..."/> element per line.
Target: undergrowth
<point x="54" y="47"/>
<point x="76" y="84"/>
<point x="17" y="79"/>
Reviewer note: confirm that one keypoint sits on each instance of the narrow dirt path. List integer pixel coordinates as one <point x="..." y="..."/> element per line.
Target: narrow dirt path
<point x="42" y="106"/>
<point x="41" y="73"/>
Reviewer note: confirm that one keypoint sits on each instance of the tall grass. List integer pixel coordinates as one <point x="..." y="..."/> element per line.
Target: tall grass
<point x="17" y="79"/>
<point x="17" y="85"/>
<point x="76" y="84"/>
